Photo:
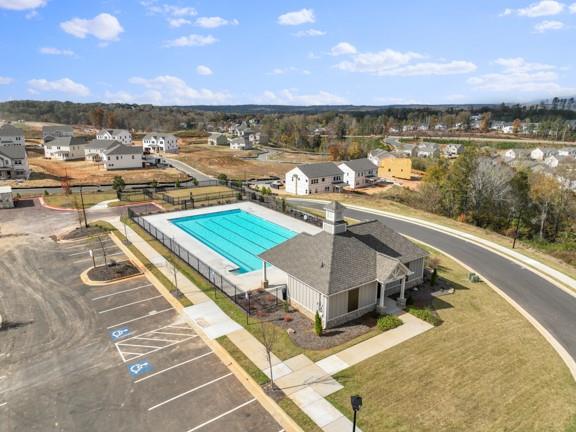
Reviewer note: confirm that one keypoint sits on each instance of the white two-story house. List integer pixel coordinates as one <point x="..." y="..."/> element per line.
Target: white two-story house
<point x="95" y="149"/>
<point x="13" y="157"/>
<point x="121" y="156"/>
<point x="157" y="142"/>
<point x="240" y="143"/>
<point x="120" y="135"/>
<point x="314" y="178"/>
<point x="65" y="148"/>
<point x="217" y="139"/>
<point x="358" y="173"/>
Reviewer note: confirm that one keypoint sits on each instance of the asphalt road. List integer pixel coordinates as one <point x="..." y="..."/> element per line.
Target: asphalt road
<point x="553" y="308"/>
<point x="188" y="170"/>
<point x="62" y="367"/>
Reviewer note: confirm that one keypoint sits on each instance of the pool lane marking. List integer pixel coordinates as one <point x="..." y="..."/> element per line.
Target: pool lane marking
<point x="121" y="292"/>
<point x="175" y="366"/>
<point x="129" y="304"/>
<point x="201" y="386"/>
<point x="149" y="314"/>
<point x="221" y="415"/>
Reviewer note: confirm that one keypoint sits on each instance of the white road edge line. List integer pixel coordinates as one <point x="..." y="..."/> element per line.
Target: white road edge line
<point x="189" y="391"/>
<point x="221" y="415"/>
<point x="173" y="367"/>
<point x="139" y="318"/>
<point x="120" y="292"/>
<point x="129" y="304"/>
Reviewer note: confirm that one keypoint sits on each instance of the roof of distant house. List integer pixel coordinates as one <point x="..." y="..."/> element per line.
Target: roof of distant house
<point x="113" y="131"/>
<point x="66" y="141"/>
<point x="121" y="149"/>
<point x="13" y="151"/>
<point x="97" y="144"/>
<point x="61" y="128"/>
<point x="9" y="130"/>
<point x="158" y="135"/>
<point x="322" y="169"/>
<point x="359" y="164"/>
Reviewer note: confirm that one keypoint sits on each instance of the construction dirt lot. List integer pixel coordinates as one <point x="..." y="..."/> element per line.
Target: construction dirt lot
<point x="47" y="173"/>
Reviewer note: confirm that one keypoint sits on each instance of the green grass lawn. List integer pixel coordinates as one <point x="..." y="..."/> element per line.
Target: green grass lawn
<point x="73" y="200"/>
<point x="484" y="369"/>
<point x="185" y="192"/>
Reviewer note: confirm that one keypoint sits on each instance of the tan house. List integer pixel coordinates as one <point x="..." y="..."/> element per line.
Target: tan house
<point x="395" y="168"/>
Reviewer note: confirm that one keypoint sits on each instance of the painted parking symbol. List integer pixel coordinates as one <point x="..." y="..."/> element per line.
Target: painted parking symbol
<point x="119" y="333"/>
<point x="139" y="368"/>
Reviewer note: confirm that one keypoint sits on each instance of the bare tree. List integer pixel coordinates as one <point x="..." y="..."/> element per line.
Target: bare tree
<point x="268" y="337"/>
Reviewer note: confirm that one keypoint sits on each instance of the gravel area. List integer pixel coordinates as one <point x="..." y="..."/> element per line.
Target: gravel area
<point x="112" y="272"/>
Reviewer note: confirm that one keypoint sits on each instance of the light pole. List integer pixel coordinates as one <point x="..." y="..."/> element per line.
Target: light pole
<point x="356" y="402"/>
<point x="83" y="208"/>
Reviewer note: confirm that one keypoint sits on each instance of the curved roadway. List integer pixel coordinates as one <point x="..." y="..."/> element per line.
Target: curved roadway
<point x="552" y="307"/>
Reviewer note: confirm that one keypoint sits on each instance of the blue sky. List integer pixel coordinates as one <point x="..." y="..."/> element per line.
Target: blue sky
<point x="287" y="52"/>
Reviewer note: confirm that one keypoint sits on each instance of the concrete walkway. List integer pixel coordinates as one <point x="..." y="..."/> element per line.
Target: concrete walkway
<point x="305" y="382"/>
<point x="103" y="204"/>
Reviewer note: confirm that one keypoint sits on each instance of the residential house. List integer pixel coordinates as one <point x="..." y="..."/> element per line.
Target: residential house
<point x="158" y="142"/>
<point x="513" y="154"/>
<point x="400" y="168"/>
<point x="567" y="151"/>
<point x="376" y="155"/>
<point x="95" y="149"/>
<point x="541" y="153"/>
<point x="314" y="178"/>
<point x="121" y="156"/>
<point x="428" y="150"/>
<point x="344" y="272"/>
<point x="453" y="150"/>
<point x="51" y="132"/>
<point x="120" y="135"/>
<point x="6" y="199"/>
<point x="240" y="143"/>
<point x="13" y="162"/>
<point x="408" y="150"/>
<point x="217" y="139"/>
<point x="553" y="161"/>
<point x="65" y="148"/>
<point x="11" y="135"/>
<point x="358" y="173"/>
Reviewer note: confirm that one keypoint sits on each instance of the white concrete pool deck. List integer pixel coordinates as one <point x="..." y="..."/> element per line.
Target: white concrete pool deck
<point x="246" y="281"/>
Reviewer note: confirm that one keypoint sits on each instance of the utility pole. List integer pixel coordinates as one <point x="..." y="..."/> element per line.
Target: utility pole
<point x="83" y="208"/>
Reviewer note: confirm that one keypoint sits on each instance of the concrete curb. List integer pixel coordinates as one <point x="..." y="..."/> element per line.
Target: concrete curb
<point x="274" y="409"/>
<point x="564" y="355"/>
<point x="43" y="203"/>
<point x="87" y="281"/>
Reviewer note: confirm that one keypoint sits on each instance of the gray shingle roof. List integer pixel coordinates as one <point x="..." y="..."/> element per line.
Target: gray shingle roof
<point x="323" y="169"/>
<point x="113" y="131"/>
<point x="66" y="141"/>
<point x="158" y="135"/>
<point x="333" y="263"/>
<point x="359" y="164"/>
<point x="9" y="130"/>
<point x="121" y="149"/>
<point x="51" y="129"/>
<point x="13" y="151"/>
<point x="100" y="144"/>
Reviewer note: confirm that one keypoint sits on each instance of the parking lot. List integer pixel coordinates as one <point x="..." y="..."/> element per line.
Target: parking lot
<point x="132" y="364"/>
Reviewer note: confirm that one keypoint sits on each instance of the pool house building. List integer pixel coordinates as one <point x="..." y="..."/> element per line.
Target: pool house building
<point x="344" y="272"/>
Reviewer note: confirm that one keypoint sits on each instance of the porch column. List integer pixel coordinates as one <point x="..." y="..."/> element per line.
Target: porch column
<point x="264" y="276"/>
<point x="382" y="295"/>
<point x="402" y="299"/>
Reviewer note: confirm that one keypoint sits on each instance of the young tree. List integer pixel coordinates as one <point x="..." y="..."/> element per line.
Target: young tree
<point x="485" y="121"/>
<point x="118" y="184"/>
<point x="268" y="337"/>
<point x="543" y="191"/>
<point x="516" y="125"/>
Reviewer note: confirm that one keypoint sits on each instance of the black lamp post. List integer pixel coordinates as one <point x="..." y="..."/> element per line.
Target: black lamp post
<point x="356" y="405"/>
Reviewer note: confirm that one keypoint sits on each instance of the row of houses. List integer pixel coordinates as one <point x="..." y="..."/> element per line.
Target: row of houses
<point x="13" y="158"/>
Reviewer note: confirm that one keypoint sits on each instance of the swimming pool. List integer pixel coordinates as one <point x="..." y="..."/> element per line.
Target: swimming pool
<point x="237" y="235"/>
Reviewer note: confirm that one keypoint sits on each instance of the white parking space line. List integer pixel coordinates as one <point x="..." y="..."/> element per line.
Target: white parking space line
<point x="148" y="315"/>
<point x="94" y="249"/>
<point x="2" y="377"/>
<point x="155" y="339"/>
<point x="174" y="367"/>
<point x="221" y="415"/>
<point x="189" y="391"/>
<point x="2" y="404"/>
<point x="99" y="256"/>
<point x="121" y="292"/>
<point x="171" y="333"/>
<point x="152" y="350"/>
<point x="129" y="304"/>
<point x="141" y="346"/>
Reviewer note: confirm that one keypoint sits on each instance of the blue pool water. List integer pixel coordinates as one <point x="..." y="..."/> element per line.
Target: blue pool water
<point x="236" y="235"/>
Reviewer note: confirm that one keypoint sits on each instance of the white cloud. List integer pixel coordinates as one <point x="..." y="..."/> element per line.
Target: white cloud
<point x="291" y="69"/>
<point x="153" y="7"/>
<point x="178" y="22"/>
<point x="573" y="8"/>
<point x="6" y="80"/>
<point x="64" y="85"/>
<point x="547" y="25"/>
<point x="291" y="97"/>
<point x="22" y="4"/>
<point x="203" y="70"/>
<point x="539" y="9"/>
<point x="302" y="16"/>
<point x="192" y="40"/>
<point x="518" y="75"/>
<point x="395" y="63"/>
<point x="214" y="22"/>
<point x="56" y="51"/>
<point x="309" y="33"/>
<point x="343" y="48"/>
<point x="105" y="27"/>
<point x="167" y="90"/>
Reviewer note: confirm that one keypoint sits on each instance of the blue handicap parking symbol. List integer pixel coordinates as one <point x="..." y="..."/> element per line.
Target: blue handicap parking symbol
<point x="119" y="333"/>
<point x="139" y="368"/>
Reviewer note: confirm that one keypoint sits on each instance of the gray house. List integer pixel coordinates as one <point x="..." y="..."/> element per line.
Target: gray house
<point x="51" y="132"/>
<point x="344" y="272"/>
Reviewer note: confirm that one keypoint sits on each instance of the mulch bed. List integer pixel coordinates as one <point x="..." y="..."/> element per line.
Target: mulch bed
<point x="112" y="272"/>
<point x="78" y="233"/>
<point x="264" y="306"/>
<point x="423" y="297"/>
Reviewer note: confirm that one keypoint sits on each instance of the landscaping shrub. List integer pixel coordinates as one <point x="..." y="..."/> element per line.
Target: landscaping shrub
<point x="388" y="322"/>
<point x="434" y="277"/>
<point x="317" y="324"/>
<point x="426" y="314"/>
